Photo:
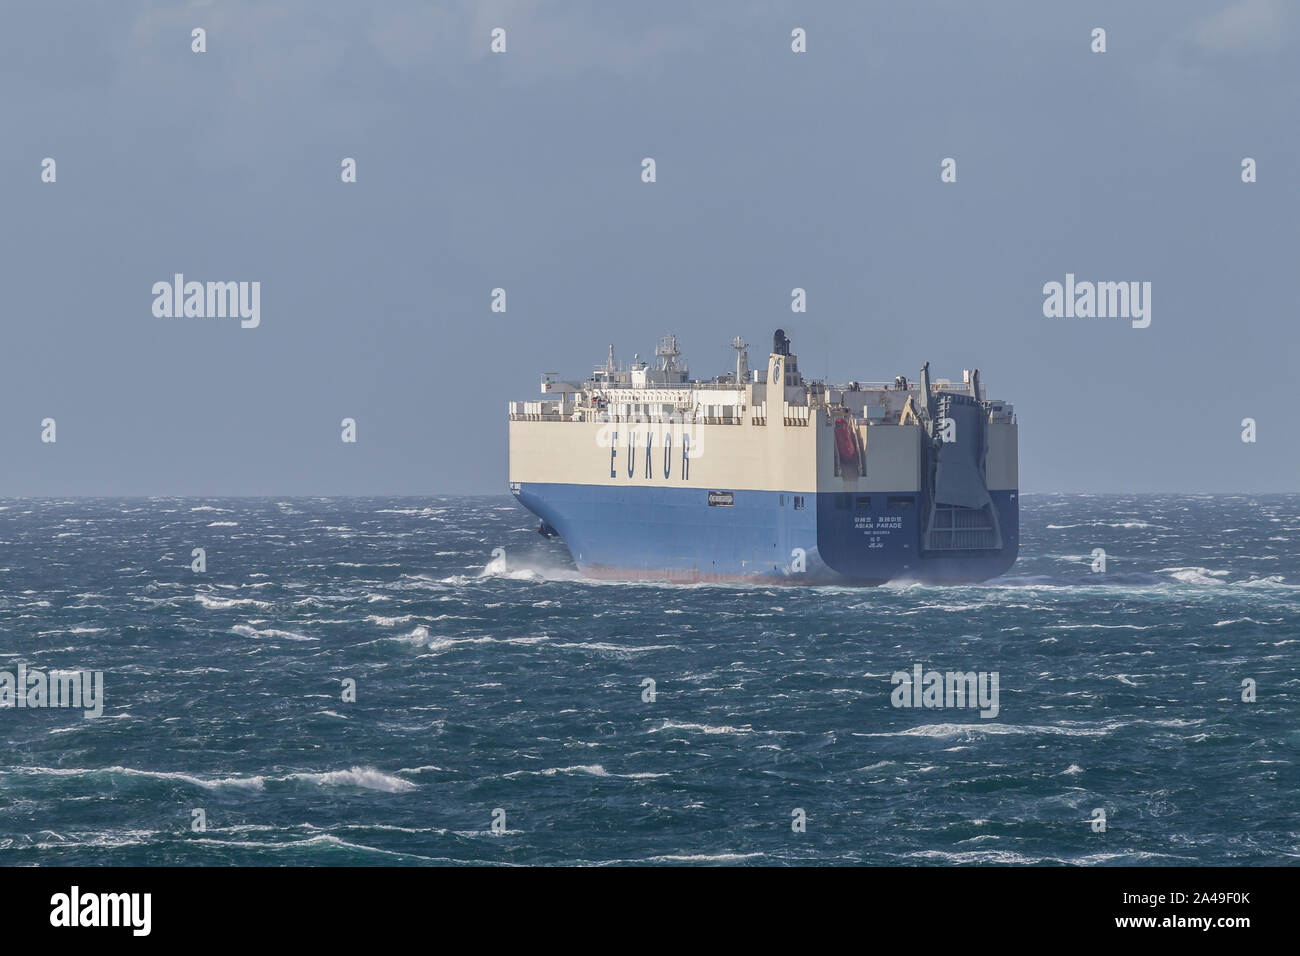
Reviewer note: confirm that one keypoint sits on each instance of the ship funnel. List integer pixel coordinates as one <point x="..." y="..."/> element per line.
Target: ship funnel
<point x="780" y="344"/>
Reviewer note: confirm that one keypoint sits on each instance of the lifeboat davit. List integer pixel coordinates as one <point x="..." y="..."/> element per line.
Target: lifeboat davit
<point x="844" y="442"/>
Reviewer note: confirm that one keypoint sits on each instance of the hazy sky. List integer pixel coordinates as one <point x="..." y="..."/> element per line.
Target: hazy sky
<point x="523" y="170"/>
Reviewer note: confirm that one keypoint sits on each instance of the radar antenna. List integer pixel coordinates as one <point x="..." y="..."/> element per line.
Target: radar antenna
<point x="666" y="351"/>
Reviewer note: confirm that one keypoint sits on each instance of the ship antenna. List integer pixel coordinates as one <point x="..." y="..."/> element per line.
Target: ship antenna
<point x="742" y="360"/>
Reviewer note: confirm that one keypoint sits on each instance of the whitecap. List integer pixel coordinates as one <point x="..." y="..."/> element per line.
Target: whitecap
<point x="270" y="633"/>
<point x="366" y="777"/>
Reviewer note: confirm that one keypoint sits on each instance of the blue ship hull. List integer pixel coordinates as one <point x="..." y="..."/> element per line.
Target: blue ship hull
<point x="675" y="534"/>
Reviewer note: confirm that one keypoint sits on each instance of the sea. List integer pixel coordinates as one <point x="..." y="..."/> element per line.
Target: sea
<point x="429" y="681"/>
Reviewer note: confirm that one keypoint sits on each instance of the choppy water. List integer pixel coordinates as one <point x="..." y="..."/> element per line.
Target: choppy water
<point x="487" y="683"/>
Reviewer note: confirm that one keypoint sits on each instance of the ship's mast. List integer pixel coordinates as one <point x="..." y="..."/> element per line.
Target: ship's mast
<point x="667" y="353"/>
<point x="742" y="360"/>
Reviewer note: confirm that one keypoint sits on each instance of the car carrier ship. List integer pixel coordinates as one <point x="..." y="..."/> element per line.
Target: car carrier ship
<point x="647" y="474"/>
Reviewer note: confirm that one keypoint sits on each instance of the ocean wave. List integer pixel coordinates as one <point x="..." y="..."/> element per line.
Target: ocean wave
<point x="367" y="778"/>
<point x="991" y="729"/>
<point x="1272" y="581"/>
<point x="604" y="647"/>
<point x="222" y="604"/>
<point x="702" y="728"/>
<point x="704" y="857"/>
<point x="592" y="770"/>
<point x="326" y="840"/>
<point x="270" y="634"/>
<point x="1195" y="575"/>
<point x="1101" y="524"/>
<point x="243" y="783"/>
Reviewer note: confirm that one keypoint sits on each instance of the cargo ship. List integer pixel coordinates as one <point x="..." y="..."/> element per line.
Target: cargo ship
<point x="760" y="475"/>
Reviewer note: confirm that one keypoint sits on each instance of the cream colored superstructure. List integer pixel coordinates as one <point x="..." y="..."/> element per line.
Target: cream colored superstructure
<point x="775" y="434"/>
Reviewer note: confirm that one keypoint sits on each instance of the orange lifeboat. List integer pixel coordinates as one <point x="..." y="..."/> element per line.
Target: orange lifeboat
<point x="844" y="442"/>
